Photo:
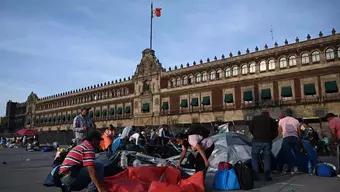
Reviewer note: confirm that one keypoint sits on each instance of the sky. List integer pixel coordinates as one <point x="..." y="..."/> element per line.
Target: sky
<point x="53" y="46"/>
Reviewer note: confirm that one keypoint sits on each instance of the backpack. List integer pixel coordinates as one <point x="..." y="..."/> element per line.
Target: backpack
<point x="52" y="179"/>
<point x="244" y="175"/>
<point x="325" y="170"/>
<point x="197" y="129"/>
<point x="226" y="180"/>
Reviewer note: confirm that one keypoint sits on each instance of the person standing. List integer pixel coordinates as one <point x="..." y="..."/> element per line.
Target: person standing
<point x="290" y="131"/>
<point x="264" y="130"/>
<point x="79" y="170"/>
<point x="334" y="126"/>
<point x="82" y="125"/>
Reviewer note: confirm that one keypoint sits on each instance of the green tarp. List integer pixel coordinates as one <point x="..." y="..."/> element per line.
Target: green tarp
<point x="165" y="105"/>
<point x="146" y="107"/>
<point x="331" y="87"/>
<point x="266" y="94"/>
<point x="206" y="100"/>
<point x="248" y="96"/>
<point x="184" y="103"/>
<point x="194" y="102"/>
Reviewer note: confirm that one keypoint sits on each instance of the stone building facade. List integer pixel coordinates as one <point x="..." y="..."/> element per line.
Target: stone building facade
<point x="304" y="76"/>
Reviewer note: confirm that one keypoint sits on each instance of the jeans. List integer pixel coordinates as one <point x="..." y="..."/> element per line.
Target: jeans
<point x="256" y="149"/>
<point x="82" y="180"/>
<point x="290" y="149"/>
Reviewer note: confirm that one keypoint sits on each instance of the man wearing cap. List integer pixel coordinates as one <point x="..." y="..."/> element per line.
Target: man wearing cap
<point x="79" y="170"/>
<point x="82" y="124"/>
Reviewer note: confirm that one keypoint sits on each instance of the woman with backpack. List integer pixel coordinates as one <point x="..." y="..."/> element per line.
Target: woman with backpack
<point x="203" y="146"/>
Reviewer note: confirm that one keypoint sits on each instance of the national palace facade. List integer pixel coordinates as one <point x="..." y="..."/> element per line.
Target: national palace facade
<point x="304" y="76"/>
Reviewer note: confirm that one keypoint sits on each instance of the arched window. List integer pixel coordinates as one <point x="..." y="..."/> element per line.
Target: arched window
<point x="198" y="78"/>
<point x="118" y="93"/>
<point x="263" y="66"/>
<point x="173" y="82"/>
<point x="244" y="69"/>
<point x="271" y="64"/>
<point x="235" y="71"/>
<point x="126" y="91"/>
<point x="212" y="75"/>
<point x="329" y="54"/>
<point x="252" y="67"/>
<point x="292" y="61"/>
<point x="315" y="56"/>
<point x="219" y="74"/>
<point x="305" y="58"/>
<point x="185" y="80"/>
<point x="283" y="62"/>
<point x="191" y="79"/>
<point x="227" y="72"/>
<point x="204" y="76"/>
<point x="179" y="81"/>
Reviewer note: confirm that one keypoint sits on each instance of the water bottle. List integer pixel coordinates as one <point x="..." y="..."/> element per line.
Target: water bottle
<point x="310" y="169"/>
<point x="123" y="160"/>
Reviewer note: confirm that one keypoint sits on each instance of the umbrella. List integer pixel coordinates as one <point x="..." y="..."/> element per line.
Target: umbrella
<point x="230" y="147"/>
<point x="28" y="132"/>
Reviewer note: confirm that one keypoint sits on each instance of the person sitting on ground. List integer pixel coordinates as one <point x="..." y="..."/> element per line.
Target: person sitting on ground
<point x="79" y="170"/>
<point x="264" y="130"/>
<point x="204" y="147"/>
<point x="107" y="138"/>
<point x="290" y="132"/>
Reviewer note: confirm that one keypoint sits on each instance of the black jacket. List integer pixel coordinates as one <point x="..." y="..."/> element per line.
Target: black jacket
<point x="263" y="128"/>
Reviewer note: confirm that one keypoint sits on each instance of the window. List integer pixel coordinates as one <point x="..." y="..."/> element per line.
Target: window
<point x="173" y="82"/>
<point x="191" y="79"/>
<point x="198" y="78"/>
<point x="266" y="94"/>
<point x="227" y="72"/>
<point x="305" y="58"/>
<point x="228" y="98"/>
<point x="315" y="56"/>
<point x="184" y="103"/>
<point x="219" y="74"/>
<point x="283" y="62"/>
<point x="146" y="107"/>
<point x="206" y="100"/>
<point x="309" y="89"/>
<point x="329" y="54"/>
<point x="127" y="109"/>
<point x="204" y="76"/>
<point x="235" y="71"/>
<point x="212" y="75"/>
<point x="165" y="106"/>
<point x="263" y="66"/>
<point x="119" y="110"/>
<point x="338" y="52"/>
<point x="292" y="61"/>
<point x="194" y="102"/>
<point x="248" y="96"/>
<point x="179" y="81"/>
<point x="271" y="64"/>
<point x="126" y="91"/>
<point x="331" y="87"/>
<point x="244" y="69"/>
<point x="252" y="67"/>
<point x="286" y="91"/>
<point x="185" y="80"/>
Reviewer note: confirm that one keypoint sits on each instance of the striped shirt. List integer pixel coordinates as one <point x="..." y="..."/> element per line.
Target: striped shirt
<point x="81" y="155"/>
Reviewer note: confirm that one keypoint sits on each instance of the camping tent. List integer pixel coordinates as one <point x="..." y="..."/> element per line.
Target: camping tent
<point x="230" y="147"/>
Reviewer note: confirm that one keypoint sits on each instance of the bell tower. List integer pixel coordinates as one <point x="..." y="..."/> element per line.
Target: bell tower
<point x="147" y="88"/>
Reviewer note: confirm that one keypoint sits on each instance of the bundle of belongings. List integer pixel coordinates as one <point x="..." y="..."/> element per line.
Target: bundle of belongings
<point x="233" y="177"/>
<point x="165" y="179"/>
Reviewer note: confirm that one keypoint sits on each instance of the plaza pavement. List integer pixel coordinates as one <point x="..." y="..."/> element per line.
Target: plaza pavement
<point x="25" y="172"/>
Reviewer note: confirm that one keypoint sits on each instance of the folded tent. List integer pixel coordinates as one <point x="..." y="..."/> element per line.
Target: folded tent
<point x="154" y="179"/>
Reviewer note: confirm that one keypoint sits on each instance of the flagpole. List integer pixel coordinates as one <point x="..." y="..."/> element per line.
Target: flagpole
<point x="151" y="17"/>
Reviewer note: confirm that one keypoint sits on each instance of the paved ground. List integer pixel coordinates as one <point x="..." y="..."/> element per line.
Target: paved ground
<point x="25" y="172"/>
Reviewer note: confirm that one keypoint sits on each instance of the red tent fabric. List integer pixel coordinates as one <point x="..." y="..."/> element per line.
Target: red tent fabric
<point x="28" y="132"/>
<point x="154" y="179"/>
